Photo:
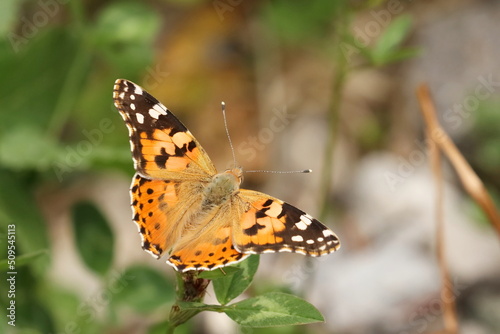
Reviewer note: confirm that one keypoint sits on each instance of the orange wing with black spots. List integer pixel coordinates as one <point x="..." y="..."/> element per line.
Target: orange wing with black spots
<point x="269" y="225"/>
<point x="162" y="147"/>
<point x="151" y="201"/>
<point x="158" y="208"/>
<point x="213" y="248"/>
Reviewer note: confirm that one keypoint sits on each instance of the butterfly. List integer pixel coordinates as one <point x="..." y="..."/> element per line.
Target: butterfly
<point x="183" y="206"/>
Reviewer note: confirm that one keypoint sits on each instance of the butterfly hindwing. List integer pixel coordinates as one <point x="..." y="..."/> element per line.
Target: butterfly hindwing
<point x="162" y="147"/>
<point x="270" y="225"/>
<point x="152" y="201"/>
<point x="213" y="249"/>
<point x="158" y="207"/>
<point x="208" y="244"/>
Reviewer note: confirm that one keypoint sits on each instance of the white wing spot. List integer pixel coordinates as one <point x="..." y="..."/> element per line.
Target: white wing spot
<point x="327" y="233"/>
<point x="160" y="109"/>
<point x="320" y="239"/>
<point x="137" y="90"/>
<point x="306" y="219"/>
<point x="132" y="96"/>
<point x="153" y="113"/>
<point x="121" y="95"/>
<point x="140" y="119"/>
<point x="310" y="241"/>
<point x="301" y="226"/>
<point x="297" y="238"/>
<point x="132" y="106"/>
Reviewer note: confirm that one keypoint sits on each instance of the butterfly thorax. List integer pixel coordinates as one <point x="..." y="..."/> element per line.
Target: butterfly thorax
<point x="221" y="188"/>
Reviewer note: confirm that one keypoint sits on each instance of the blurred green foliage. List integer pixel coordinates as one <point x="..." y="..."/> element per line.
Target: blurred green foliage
<point x="93" y="237"/>
<point x="484" y="140"/>
<point x="481" y="148"/>
<point x="301" y="22"/>
<point x="58" y="65"/>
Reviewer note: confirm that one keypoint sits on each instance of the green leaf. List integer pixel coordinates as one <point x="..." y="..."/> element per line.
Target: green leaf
<point x="18" y="212"/>
<point x="144" y="289"/>
<point x="398" y="55"/>
<point x="273" y="309"/>
<point x="9" y="11"/>
<point x="350" y="45"/>
<point x="23" y="259"/>
<point x="299" y="22"/>
<point x="219" y="273"/>
<point x="229" y="287"/>
<point x="30" y="313"/>
<point x="127" y="22"/>
<point x="69" y="312"/>
<point x="198" y="306"/>
<point x="33" y="77"/>
<point x="395" y="33"/>
<point x="26" y="147"/>
<point x="124" y="33"/>
<point x="93" y="236"/>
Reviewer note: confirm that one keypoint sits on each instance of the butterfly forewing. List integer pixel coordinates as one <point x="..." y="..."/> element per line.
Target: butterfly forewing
<point x="162" y="147"/>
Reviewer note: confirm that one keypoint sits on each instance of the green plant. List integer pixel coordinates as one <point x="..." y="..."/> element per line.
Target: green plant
<point x="267" y="310"/>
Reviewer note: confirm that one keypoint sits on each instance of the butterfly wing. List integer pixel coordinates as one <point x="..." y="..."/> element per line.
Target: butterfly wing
<point x="269" y="225"/>
<point x="171" y="167"/>
<point x="157" y="210"/>
<point x="211" y="245"/>
<point x="251" y="223"/>
<point x="162" y="147"/>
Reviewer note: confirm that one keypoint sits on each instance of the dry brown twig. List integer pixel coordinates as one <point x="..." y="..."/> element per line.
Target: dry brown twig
<point x="439" y="142"/>
<point x="427" y="108"/>
<point x="471" y="182"/>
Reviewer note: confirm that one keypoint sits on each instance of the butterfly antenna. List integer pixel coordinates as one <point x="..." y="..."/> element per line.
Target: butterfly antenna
<point x="279" y="171"/>
<point x="223" y="105"/>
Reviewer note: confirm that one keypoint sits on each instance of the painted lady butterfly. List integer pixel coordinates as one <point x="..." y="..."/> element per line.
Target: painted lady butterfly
<point x="182" y="205"/>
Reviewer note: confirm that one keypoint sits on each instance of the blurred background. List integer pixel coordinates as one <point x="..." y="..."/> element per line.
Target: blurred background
<point x="325" y="85"/>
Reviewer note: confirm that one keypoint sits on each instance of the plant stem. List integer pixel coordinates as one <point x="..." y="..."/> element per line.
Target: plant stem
<point x="342" y="67"/>
<point x="77" y="71"/>
<point x="189" y="288"/>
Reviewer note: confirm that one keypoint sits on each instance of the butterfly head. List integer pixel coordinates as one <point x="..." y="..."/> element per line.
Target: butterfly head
<point x="237" y="172"/>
